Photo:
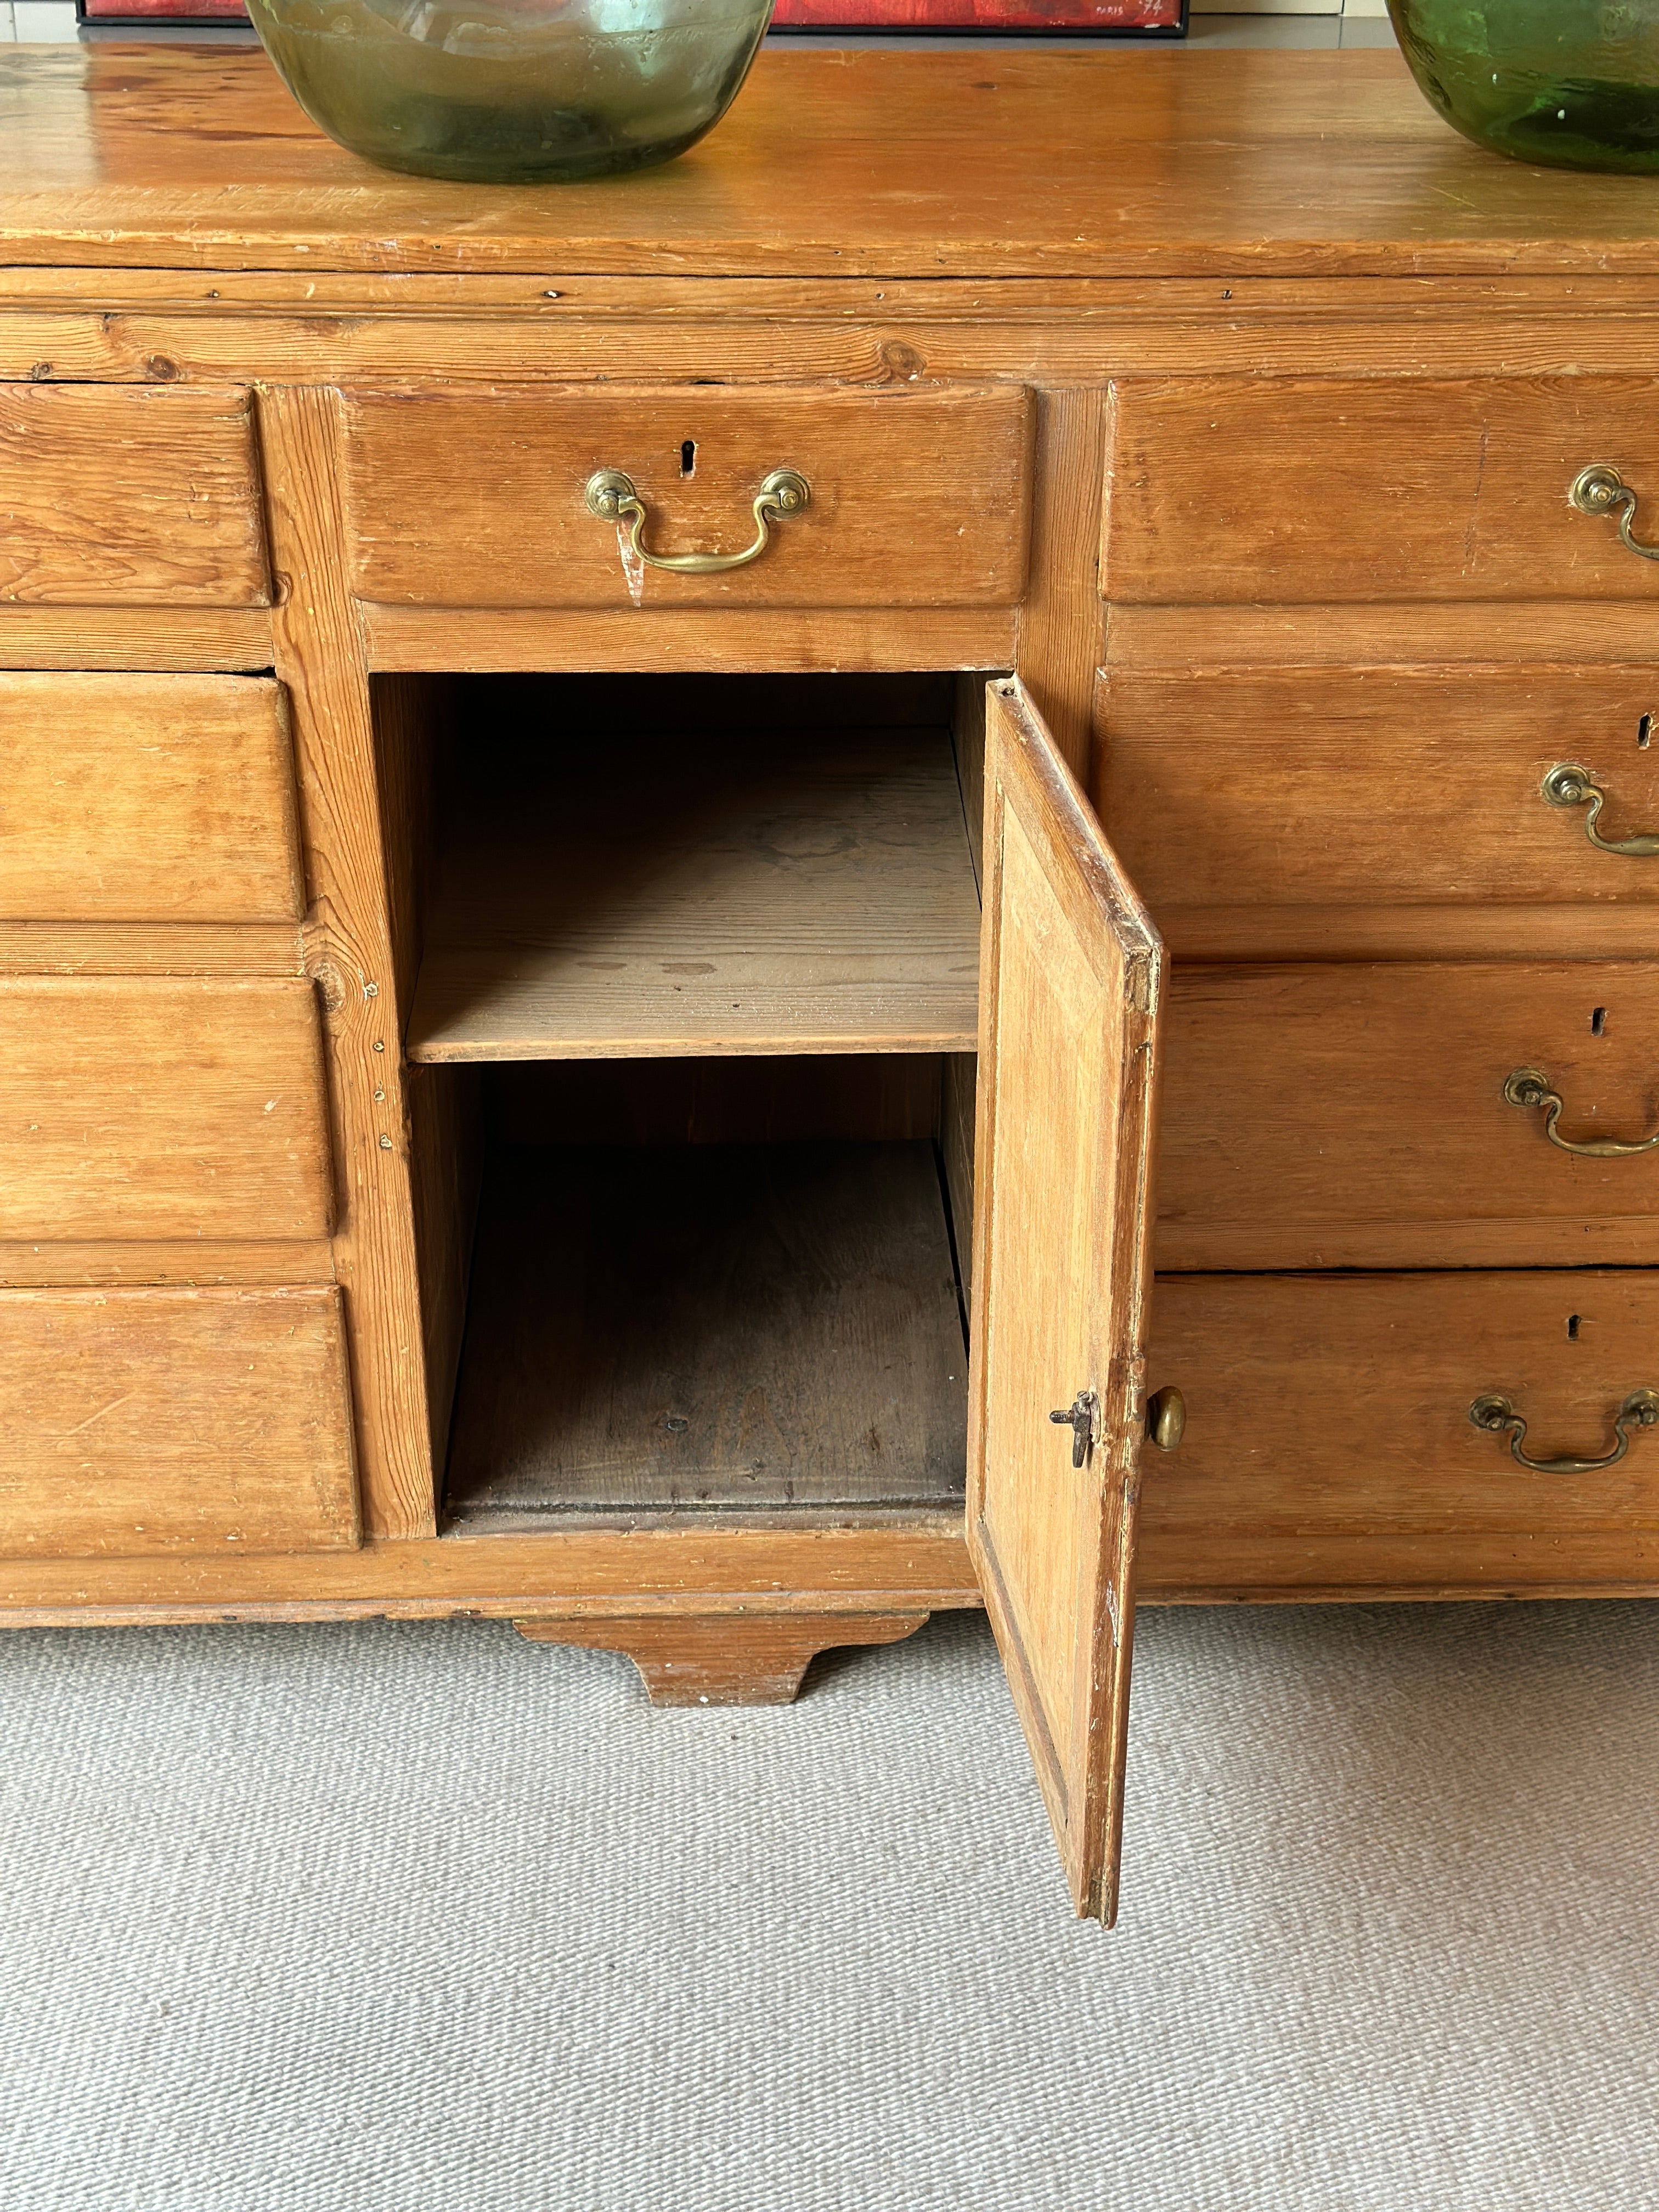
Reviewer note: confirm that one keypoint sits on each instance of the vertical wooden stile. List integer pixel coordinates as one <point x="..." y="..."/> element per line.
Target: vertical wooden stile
<point x="350" y="952"/>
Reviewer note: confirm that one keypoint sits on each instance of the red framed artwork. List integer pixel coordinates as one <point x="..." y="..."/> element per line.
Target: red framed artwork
<point x="1133" y="17"/>
<point x="1164" y="18"/>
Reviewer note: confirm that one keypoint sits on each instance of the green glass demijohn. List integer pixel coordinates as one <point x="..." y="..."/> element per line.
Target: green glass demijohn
<point x="1569" y="83"/>
<point x="513" y="91"/>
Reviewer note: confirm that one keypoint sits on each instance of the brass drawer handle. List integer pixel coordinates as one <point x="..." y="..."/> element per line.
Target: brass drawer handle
<point x="1640" y="1410"/>
<point x="1570" y="784"/>
<point x="1601" y="490"/>
<point x="1529" y="1088"/>
<point x="612" y="498"/>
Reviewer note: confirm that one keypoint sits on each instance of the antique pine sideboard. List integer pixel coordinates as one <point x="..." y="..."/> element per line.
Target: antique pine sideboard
<point x="509" y="1105"/>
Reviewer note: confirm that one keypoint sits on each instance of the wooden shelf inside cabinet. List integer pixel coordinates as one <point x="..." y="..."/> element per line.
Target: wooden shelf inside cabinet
<point x="659" y="1334"/>
<point x="790" y="891"/>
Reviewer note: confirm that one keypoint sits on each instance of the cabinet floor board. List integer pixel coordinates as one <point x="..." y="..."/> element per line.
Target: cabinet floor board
<point x="666" y="1332"/>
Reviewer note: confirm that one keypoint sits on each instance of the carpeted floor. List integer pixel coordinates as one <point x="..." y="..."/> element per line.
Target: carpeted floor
<point x="423" y="1919"/>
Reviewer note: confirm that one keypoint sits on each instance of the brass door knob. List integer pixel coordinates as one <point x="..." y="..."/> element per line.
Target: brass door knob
<point x="1166" y="1418"/>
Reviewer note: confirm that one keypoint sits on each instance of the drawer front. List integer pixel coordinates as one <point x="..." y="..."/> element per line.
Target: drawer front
<point x="146" y="798"/>
<point x="918" y="499"/>
<point x="1373" y="787"/>
<point x="1302" y="490"/>
<point x="1354" y="1116"/>
<point x="161" y="1107"/>
<point x="1340" y="1405"/>
<point x="129" y="495"/>
<point x="141" y="1421"/>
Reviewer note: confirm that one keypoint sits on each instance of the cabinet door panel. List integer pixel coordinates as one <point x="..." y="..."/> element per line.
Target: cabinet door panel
<point x="1071" y="976"/>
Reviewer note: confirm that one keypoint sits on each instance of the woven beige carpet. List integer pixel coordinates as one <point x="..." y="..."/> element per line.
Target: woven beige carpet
<point x="404" y="1918"/>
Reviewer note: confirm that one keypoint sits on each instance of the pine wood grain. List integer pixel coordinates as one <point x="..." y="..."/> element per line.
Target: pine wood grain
<point x="919" y="498"/>
<point x="779" y="892"/>
<point x="319" y="658"/>
<point x="161" y="1108"/>
<point x="733" y="640"/>
<point x="1068" y="332"/>
<point x="1062" y="624"/>
<point x="120" y="638"/>
<point x="148" y="948"/>
<point x="920" y="165"/>
<point x="727" y="1658"/>
<point x="918" y="1566"/>
<point x="1068" y="1024"/>
<point x="1339" y="1404"/>
<point x="729" y="1329"/>
<point x="191" y="1262"/>
<point x="1353" y="1116"/>
<point x="1189" y="1567"/>
<point x="1479" y="633"/>
<point x="146" y="1421"/>
<point x="1378" y="787"/>
<point x="141" y="798"/>
<point x="128" y="496"/>
<point x="1315" y="488"/>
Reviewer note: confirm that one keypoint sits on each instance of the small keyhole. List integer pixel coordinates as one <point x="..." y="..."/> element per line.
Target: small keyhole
<point x="688" y="468"/>
<point x="1599" y="1022"/>
<point x="1573" y="1321"/>
<point x="1645" y="731"/>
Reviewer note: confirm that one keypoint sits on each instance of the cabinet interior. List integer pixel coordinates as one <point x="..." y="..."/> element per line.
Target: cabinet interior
<point x="692" y="967"/>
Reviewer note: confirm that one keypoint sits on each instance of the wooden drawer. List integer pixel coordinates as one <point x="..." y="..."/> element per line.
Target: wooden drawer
<point x="1344" y="787"/>
<point x="146" y="798"/>
<point x="1327" y="489"/>
<point x="919" y="499"/>
<point x="135" y="1421"/>
<point x="1340" y="1404"/>
<point x="1353" y="1115"/>
<point x="161" y="1107"/>
<point x="129" y="495"/>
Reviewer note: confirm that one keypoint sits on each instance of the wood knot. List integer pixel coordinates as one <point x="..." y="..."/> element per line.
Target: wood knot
<point x="902" y="363"/>
<point x="159" y="370"/>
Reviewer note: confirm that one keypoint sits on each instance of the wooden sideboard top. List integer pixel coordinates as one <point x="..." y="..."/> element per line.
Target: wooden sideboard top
<point x="1125" y="162"/>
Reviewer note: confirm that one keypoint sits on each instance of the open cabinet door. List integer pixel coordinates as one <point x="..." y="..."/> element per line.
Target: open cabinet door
<point x="1070" y="985"/>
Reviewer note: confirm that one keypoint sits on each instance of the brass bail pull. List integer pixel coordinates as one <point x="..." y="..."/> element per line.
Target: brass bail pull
<point x="1529" y="1089"/>
<point x="1497" y="1414"/>
<point x="612" y="497"/>
<point x="1599" y="490"/>
<point x="1567" y="784"/>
